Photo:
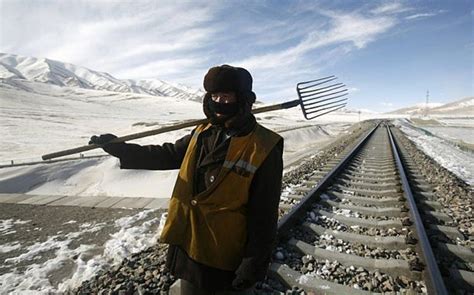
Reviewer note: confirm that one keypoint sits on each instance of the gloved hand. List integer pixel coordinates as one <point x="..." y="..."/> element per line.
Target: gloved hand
<point x="102" y="139"/>
<point x="241" y="284"/>
<point x="116" y="149"/>
<point x="247" y="274"/>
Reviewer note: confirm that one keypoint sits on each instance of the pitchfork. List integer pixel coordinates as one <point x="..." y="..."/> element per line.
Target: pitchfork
<point x="315" y="97"/>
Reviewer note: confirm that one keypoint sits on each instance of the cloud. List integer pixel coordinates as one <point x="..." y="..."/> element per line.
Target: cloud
<point x="420" y="15"/>
<point x="318" y="49"/>
<point x="390" y="8"/>
<point x="350" y="28"/>
<point x="280" y="43"/>
<point x="161" y="67"/>
<point x="106" y="36"/>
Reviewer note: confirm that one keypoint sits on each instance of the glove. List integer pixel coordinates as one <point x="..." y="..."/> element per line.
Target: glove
<point x="247" y="274"/>
<point x="116" y="149"/>
<point x="102" y="139"/>
<point x="241" y="284"/>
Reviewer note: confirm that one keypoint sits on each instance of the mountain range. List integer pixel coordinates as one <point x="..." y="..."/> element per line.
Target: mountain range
<point x="15" y="67"/>
<point x="462" y="107"/>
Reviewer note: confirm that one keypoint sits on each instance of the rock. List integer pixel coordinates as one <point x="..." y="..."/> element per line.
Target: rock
<point x="375" y="282"/>
<point x="117" y="287"/>
<point x="139" y="270"/>
<point x="279" y="255"/>
<point x="368" y="286"/>
<point x="141" y="290"/>
<point x="404" y="281"/>
<point x="387" y="286"/>
<point x="378" y="275"/>
<point x="307" y="258"/>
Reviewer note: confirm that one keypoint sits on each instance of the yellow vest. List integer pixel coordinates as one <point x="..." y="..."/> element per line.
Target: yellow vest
<point x="211" y="226"/>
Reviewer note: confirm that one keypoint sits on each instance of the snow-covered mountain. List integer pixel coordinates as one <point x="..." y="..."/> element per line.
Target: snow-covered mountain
<point x="462" y="107"/>
<point x="14" y="67"/>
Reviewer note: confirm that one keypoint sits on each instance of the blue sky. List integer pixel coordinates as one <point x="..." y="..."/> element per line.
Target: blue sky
<point x="387" y="52"/>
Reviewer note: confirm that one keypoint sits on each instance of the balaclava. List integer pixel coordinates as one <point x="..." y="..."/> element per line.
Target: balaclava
<point x="226" y="78"/>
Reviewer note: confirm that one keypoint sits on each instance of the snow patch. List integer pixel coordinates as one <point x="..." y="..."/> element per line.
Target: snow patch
<point x="450" y="157"/>
<point x="303" y="279"/>
<point x="133" y="236"/>
<point x="6" y="224"/>
<point x="8" y="247"/>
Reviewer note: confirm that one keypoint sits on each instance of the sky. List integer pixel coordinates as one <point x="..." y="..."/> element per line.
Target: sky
<point x="388" y="53"/>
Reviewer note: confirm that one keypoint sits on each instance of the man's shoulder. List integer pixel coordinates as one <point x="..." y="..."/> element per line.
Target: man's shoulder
<point x="267" y="132"/>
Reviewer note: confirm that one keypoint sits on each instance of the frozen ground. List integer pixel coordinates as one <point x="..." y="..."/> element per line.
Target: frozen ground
<point x="443" y="151"/>
<point x="457" y="122"/>
<point x="453" y="133"/>
<point x="455" y="129"/>
<point x="54" y="249"/>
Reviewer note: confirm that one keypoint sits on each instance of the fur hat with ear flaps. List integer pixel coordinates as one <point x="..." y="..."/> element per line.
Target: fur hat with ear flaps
<point x="227" y="78"/>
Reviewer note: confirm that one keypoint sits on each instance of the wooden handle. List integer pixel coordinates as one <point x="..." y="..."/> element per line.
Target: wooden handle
<point x="125" y="138"/>
<point x="89" y="147"/>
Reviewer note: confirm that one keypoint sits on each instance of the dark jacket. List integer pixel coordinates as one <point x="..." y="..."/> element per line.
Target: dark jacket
<point x="263" y="201"/>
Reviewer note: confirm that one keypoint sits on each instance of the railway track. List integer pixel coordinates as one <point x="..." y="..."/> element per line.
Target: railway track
<point x="356" y="227"/>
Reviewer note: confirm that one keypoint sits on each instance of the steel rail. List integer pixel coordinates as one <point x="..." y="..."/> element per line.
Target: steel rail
<point x="288" y="220"/>
<point x="434" y="281"/>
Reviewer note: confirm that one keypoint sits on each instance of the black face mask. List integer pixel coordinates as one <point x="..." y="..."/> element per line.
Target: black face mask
<point x="228" y="109"/>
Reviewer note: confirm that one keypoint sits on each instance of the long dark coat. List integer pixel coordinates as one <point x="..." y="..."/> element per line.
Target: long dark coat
<point x="262" y="206"/>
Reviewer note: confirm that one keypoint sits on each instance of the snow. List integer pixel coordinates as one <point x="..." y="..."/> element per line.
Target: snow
<point x="131" y="239"/>
<point x="8" y="247"/>
<point x="35" y="276"/>
<point x="64" y="74"/>
<point x="456" y="134"/>
<point x="444" y="152"/>
<point x="6" y="224"/>
<point x="462" y="107"/>
<point x="88" y="177"/>
<point x="133" y="236"/>
<point x="303" y="279"/>
<point x="457" y="122"/>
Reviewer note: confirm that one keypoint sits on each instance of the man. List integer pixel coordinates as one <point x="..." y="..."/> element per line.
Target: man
<point x="223" y="213"/>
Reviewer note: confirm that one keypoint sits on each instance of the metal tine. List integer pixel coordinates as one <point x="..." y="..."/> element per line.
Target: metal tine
<point x="326" y="104"/>
<point x="310" y="97"/>
<point x="316" y="80"/>
<point x="322" y="88"/>
<point x="312" y="81"/>
<point x="330" y="111"/>
<point x="327" y="111"/>
<point x="315" y="101"/>
<point x="326" y="108"/>
<point x="321" y="92"/>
